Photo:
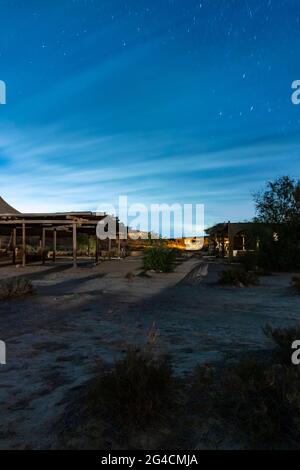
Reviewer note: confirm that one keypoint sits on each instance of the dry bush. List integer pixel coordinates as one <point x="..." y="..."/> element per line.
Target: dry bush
<point x="138" y="392"/>
<point x="296" y="283"/>
<point x="129" y="276"/>
<point x="15" y="287"/>
<point x="238" y="277"/>
<point x="263" y="401"/>
<point x="283" y="338"/>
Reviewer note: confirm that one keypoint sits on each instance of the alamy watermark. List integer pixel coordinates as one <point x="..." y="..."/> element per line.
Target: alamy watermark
<point x="296" y="354"/>
<point x="2" y="353"/>
<point x="295" y="97"/>
<point x="2" y="92"/>
<point x="160" y="220"/>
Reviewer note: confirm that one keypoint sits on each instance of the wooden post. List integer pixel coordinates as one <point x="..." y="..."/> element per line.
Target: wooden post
<point x="14" y="243"/>
<point x="54" y="245"/>
<point x="231" y="241"/>
<point x="97" y="250"/>
<point x="74" y="245"/>
<point x="23" y="244"/>
<point x="243" y="242"/>
<point x="223" y="245"/>
<point x="109" y="247"/>
<point x="43" y="245"/>
<point x="119" y="246"/>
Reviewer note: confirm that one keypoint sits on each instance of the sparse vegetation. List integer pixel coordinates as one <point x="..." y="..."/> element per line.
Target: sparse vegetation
<point x="263" y="397"/>
<point x="248" y="260"/>
<point x="137" y="392"/>
<point x="296" y="283"/>
<point x="283" y="338"/>
<point x="34" y="253"/>
<point x="15" y="287"/>
<point x="263" y="401"/>
<point x="159" y="259"/>
<point x="256" y="401"/>
<point x="129" y="276"/>
<point x="238" y="277"/>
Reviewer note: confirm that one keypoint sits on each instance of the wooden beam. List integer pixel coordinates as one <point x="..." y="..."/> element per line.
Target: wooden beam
<point x="54" y="245"/>
<point x="23" y="244"/>
<point x="74" y="245"/>
<point x="45" y="222"/>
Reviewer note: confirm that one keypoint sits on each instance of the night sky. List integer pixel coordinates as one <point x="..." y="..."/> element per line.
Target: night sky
<point x="164" y="101"/>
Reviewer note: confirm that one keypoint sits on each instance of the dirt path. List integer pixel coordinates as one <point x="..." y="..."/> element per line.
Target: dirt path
<point x="79" y="318"/>
<point x="55" y="338"/>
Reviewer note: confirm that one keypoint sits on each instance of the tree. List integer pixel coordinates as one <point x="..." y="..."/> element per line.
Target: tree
<point x="279" y="202"/>
<point x="278" y="208"/>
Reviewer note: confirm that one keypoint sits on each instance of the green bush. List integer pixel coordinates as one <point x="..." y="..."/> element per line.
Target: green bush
<point x="137" y="392"/>
<point x="15" y="287"/>
<point x="159" y="259"/>
<point x="238" y="277"/>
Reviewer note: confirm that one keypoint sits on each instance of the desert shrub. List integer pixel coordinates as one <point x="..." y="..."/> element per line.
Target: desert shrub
<point x="296" y="283"/>
<point x="34" y="253"/>
<point x="130" y="275"/>
<point x="86" y="245"/>
<point x="263" y="401"/>
<point x="159" y="259"/>
<point x="238" y="277"/>
<point x="137" y="392"/>
<point x="15" y="287"/>
<point x="248" y="260"/>
<point x="280" y="253"/>
<point x="283" y="255"/>
<point x="283" y="338"/>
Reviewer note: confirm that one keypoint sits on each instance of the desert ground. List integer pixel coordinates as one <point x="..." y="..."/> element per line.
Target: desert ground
<point x="80" y="318"/>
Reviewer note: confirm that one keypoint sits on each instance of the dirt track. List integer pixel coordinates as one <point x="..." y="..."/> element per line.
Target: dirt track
<point x="78" y="318"/>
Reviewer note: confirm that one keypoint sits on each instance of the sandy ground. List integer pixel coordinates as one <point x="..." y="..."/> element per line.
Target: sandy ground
<point x="82" y="317"/>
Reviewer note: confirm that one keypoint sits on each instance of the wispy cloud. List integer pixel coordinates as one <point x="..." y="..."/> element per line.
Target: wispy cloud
<point x="49" y="169"/>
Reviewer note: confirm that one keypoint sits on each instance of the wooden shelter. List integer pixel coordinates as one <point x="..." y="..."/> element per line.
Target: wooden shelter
<point x="16" y="225"/>
<point x="229" y="238"/>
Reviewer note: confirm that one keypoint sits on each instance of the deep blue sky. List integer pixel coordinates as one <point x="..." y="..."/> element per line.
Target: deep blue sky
<point x="164" y="100"/>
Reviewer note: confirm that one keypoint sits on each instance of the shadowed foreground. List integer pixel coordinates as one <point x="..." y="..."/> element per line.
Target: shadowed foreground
<point x="80" y="319"/>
